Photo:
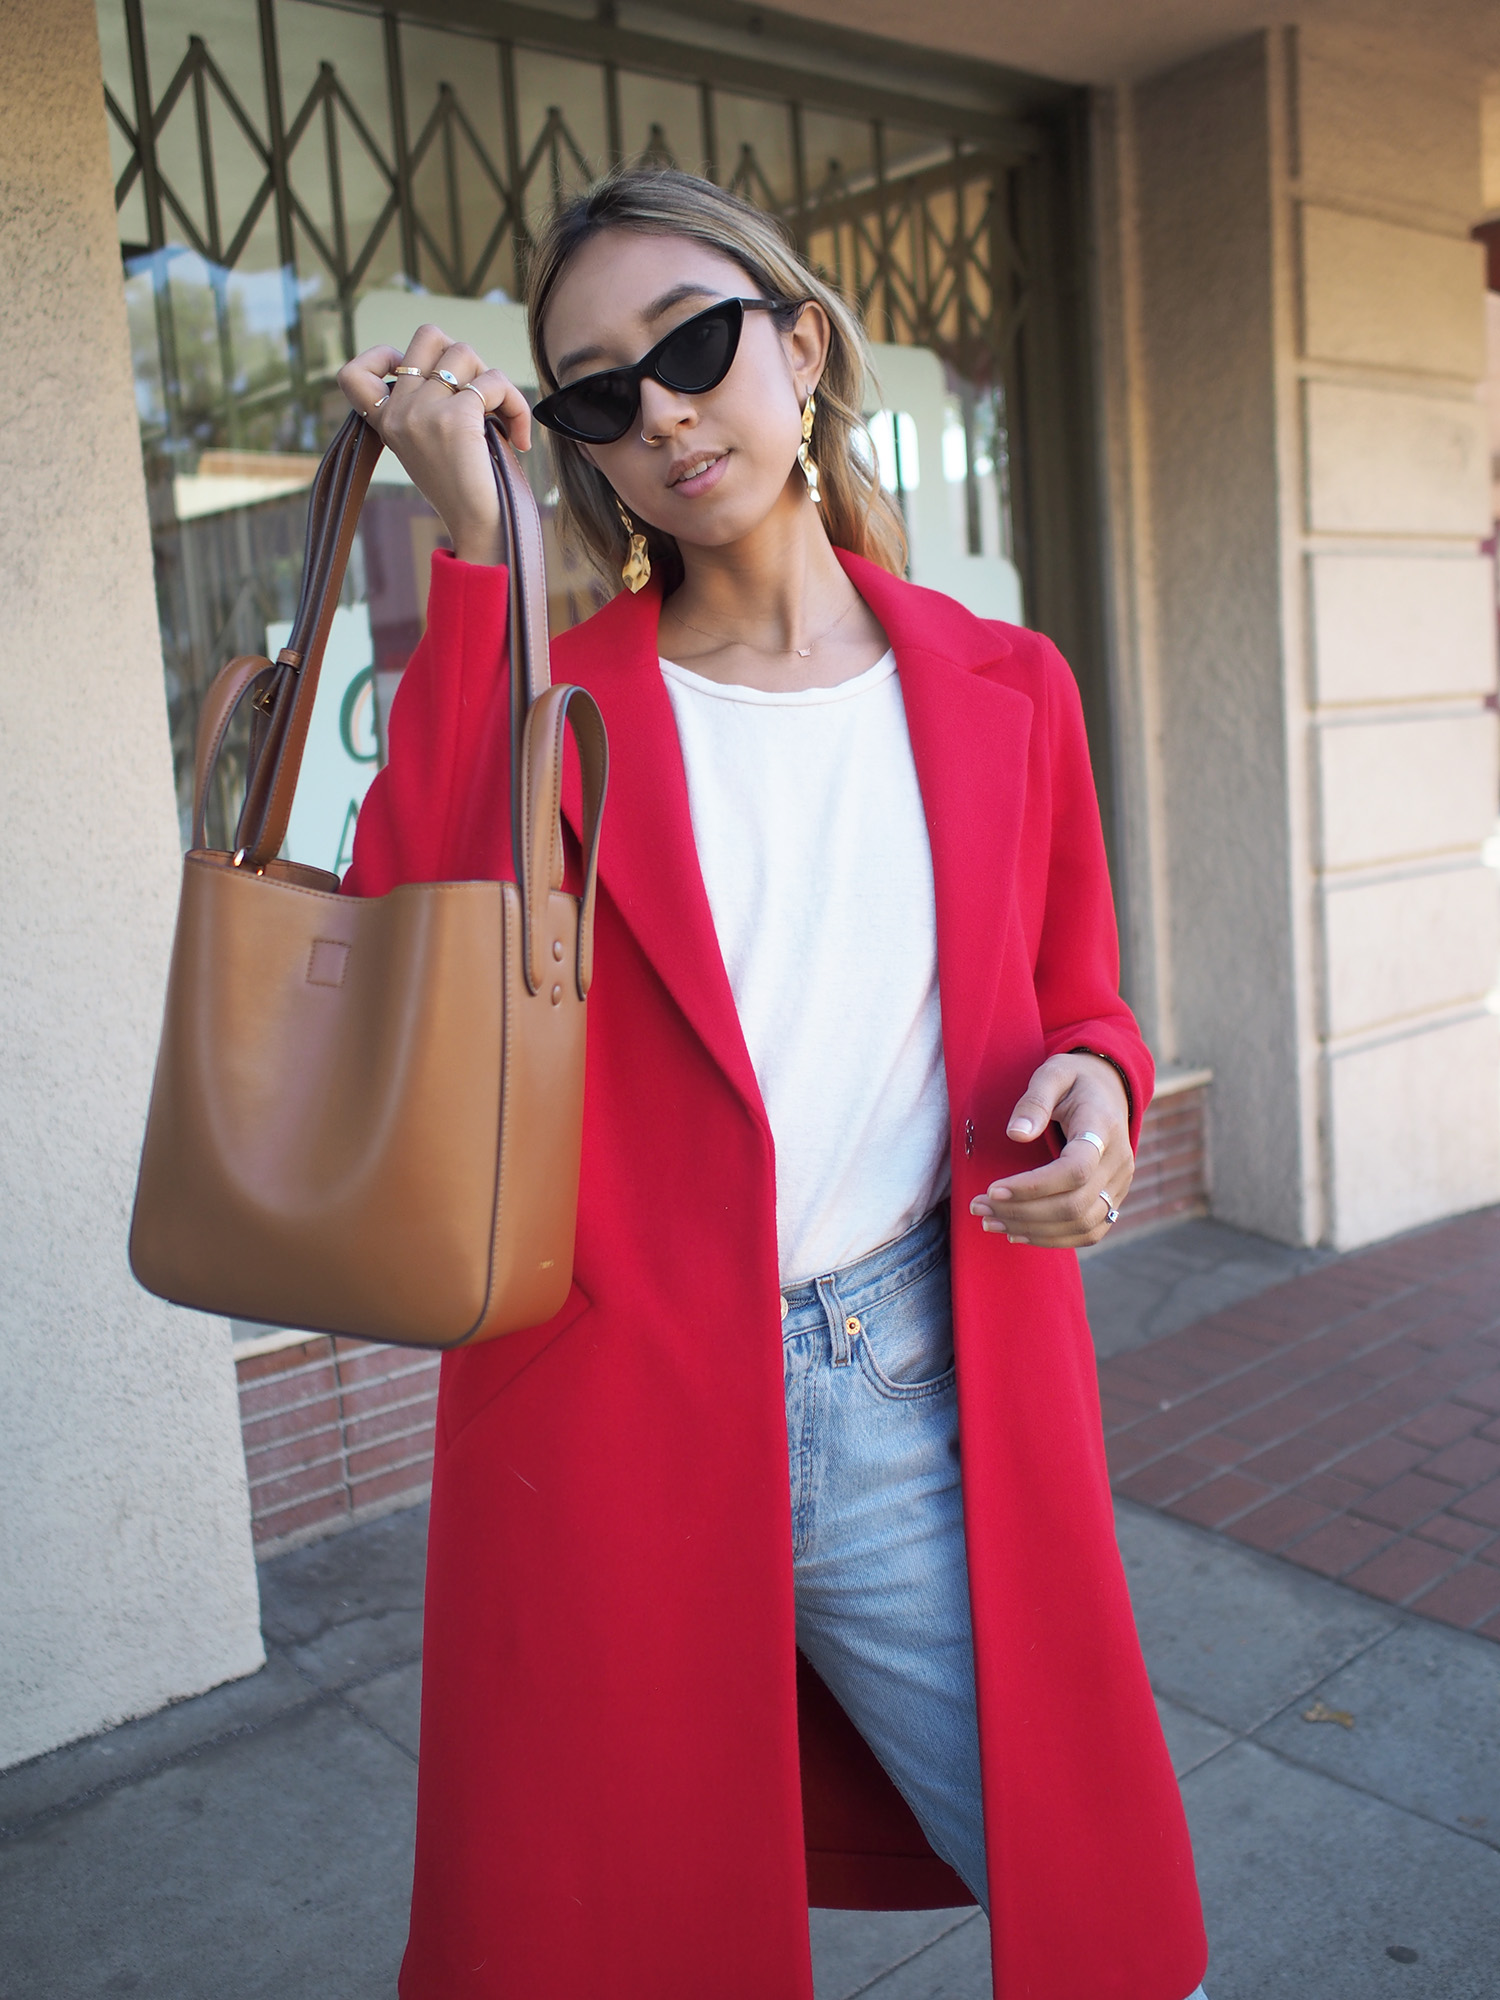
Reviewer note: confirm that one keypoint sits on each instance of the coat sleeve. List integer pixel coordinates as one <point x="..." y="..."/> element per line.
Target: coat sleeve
<point x="1078" y="957"/>
<point x="441" y="722"/>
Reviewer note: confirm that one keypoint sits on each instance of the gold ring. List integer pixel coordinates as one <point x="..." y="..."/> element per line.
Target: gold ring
<point x="421" y="377"/>
<point x="381" y="404"/>
<point x="443" y="375"/>
<point x="478" y="392"/>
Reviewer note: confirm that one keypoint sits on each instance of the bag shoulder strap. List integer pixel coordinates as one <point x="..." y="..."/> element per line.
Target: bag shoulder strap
<point x="285" y="697"/>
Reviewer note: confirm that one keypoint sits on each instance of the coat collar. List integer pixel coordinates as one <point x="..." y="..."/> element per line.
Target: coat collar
<point x="969" y="739"/>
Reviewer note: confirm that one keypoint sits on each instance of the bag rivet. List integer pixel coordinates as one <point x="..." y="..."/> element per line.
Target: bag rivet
<point x="557" y="949"/>
<point x="557" y="996"/>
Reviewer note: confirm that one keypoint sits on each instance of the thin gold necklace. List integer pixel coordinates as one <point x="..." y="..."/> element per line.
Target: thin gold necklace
<point x="767" y="652"/>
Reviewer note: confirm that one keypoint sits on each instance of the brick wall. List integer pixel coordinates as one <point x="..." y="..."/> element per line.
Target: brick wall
<point x="1172" y="1165"/>
<point x="338" y="1430"/>
<point x="335" y="1431"/>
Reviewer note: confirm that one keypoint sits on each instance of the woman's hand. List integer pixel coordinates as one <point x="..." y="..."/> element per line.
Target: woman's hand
<point x="437" y="431"/>
<point x="1065" y="1204"/>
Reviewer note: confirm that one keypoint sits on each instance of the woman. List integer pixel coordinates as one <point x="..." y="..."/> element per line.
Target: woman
<point x="856" y="968"/>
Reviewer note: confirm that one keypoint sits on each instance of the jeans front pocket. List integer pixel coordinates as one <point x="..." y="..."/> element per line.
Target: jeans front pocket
<point x="905" y="1339"/>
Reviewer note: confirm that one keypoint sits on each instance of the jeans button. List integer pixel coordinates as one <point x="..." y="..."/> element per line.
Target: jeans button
<point x="785" y="1308"/>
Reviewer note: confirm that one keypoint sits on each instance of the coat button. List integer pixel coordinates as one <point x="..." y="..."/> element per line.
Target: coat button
<point x="968" y="1137"/>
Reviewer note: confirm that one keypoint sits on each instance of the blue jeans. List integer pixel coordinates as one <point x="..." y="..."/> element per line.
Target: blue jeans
<point x="882" y="1589"/>
<point x="878" y="1565"/>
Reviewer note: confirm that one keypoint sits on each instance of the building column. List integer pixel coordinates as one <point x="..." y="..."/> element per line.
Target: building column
<point x="128" y="1577"/>
<point x="1300" y="483"/>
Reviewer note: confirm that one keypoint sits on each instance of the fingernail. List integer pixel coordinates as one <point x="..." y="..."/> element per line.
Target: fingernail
<point x="1023" y="1126"/>
<point x="1022" y="1240"/>
<point x="1001" y="1194"/>
<point x="979" y="1207"/>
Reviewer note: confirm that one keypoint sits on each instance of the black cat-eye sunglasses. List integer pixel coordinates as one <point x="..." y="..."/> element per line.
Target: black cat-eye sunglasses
<point x="693" y="358"/>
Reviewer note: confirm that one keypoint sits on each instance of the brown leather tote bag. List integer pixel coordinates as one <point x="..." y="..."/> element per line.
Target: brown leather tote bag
<point x="367" y="1112"/>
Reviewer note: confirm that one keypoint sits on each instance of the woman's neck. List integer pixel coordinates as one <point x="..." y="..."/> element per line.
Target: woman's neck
<point x="773" y="610"/>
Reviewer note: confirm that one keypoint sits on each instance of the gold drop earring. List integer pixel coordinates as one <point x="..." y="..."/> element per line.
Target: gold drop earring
<point x="804" y="450"/>
<point x="635" y="571"/>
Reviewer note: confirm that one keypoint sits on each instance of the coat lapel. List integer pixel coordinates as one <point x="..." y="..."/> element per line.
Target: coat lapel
<point x="648" y="859"/>
<point x="969" y="738"/>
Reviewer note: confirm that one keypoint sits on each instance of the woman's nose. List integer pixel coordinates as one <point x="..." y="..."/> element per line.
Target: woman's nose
<point x="664" y="410"/>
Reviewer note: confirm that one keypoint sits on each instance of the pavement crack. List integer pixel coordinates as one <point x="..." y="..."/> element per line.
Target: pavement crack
<point x="897" y="1964"/>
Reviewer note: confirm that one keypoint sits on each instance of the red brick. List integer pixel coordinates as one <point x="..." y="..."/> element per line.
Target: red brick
<point x="1379" y="1461"/>
<point x="1283" y="1463"/>
<point x="255" y="1367"/>
<point x="1349" y="1426"/>
<point x="1470" y="1462"/>
<point x="1213" y="1504"/>
<point x="371" y="1396"/>
<point x="1403" y="1503"/>
<point x="1119" y="1411"/>
<point x="1481" y="1506"/>
<point x="383" y="1457"/>
<point x="1162" y="1480"/>
<point x="405" y="1420"/>
<point x="301" y="1421"/>
<point x="1453" y="1326"/>
<point x="1326" y="1489"/>
<point x="1123" y="1455"/>
<point x="316" y="1448"/>
<point x="1484" y="1394"/>
<point x="1280" y="1520"/>
<point x="1339" y="1545"/>
<point x="1167" y="1427"/>
<point x="1467" y="1597"/>
<point x="1216" y="1448"/>
<point x="311" y="1513"/>
<point x="413" y="1479"/>
<point x="368" y="1364"/>
<point x="1403" y="1569"/>
<point x="1222" y="1344"/>
<point x="1441" y="1424"/>
<point x="304" y="1484"/>
<point x="282" y="1392"/>
<point x="1451" y="1533"/>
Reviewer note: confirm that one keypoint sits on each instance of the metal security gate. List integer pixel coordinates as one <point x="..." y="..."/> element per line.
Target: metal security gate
<point x="277" y="159"/>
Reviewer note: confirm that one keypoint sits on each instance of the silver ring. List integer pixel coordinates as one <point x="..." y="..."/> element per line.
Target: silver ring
<point x="443" y="375"/>
<point x="478" y="392"/>
<point x="1095" y="1141"/>
<point x="1109" y="1203"/>
<point x="404" y="370"/>
<point x="381" y="404"/>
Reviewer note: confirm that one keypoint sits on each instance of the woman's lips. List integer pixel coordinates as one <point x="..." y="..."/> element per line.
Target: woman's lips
<point x="705" y="481"/>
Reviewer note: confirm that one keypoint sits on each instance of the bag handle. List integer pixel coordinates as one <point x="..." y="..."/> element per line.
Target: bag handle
<point x="285" y="689"/>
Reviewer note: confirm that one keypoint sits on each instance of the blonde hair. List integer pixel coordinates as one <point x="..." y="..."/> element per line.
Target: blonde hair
<point x="857" y="512"/>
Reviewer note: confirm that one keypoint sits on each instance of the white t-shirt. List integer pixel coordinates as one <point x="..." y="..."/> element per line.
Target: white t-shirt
<point x="814" y="851"/>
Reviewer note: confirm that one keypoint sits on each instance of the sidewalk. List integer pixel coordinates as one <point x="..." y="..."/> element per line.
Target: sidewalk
<point x="256" y="1842"/>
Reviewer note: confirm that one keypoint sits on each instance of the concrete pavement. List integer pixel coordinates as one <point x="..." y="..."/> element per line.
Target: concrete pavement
<point x="256" y="1842"/>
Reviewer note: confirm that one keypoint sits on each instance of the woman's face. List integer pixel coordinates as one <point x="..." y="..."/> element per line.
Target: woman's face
<point x="706" y="469"/>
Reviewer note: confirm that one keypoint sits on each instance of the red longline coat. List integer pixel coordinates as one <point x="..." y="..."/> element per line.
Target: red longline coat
<point x="627" y="1788"/>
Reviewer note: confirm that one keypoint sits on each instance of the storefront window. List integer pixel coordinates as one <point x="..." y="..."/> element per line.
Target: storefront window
<point x="296" y="179"/>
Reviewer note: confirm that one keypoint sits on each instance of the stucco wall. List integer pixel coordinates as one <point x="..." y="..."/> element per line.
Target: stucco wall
<point x="1302" y="319"/>
<point x="127" y="1575"/>
<point x="1390" y="502"/>
<point x="1207" y="363"/>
